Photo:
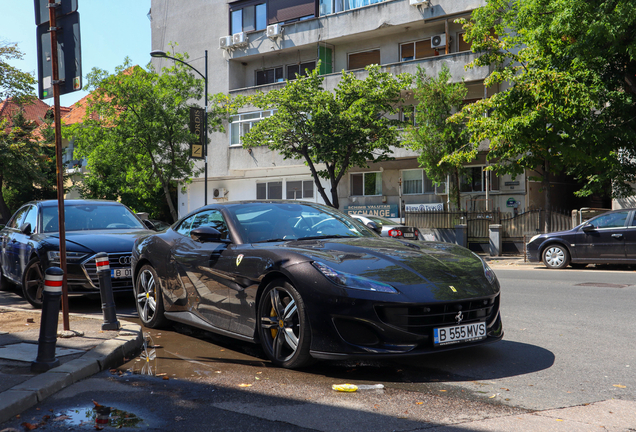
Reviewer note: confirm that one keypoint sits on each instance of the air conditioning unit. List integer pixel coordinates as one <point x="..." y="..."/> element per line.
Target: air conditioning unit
<point x="219" y="193"/>
<point x="240" y="39"/>
<point x="438" y="41"/>
<point x="274" y="31"/>
<point x="420" y="2"/>
<point x="226" y="42"/>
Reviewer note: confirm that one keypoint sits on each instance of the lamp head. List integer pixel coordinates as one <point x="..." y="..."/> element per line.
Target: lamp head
<point x="158" y="53"/>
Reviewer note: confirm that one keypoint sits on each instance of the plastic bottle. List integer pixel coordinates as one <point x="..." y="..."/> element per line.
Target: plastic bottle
<point x="353" y="387"/>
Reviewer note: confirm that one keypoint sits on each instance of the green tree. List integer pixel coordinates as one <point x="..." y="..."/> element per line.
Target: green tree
<point x="433" y="136"/>
<point x="569" y="106"/>
<point x="22" y="163"/>
<point x="341" y="129"/>
<point x="14" y="83"/>
<point x="135" y="134"/>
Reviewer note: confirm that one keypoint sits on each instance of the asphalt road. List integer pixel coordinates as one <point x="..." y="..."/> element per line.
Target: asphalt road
<point x="568" y="342"/>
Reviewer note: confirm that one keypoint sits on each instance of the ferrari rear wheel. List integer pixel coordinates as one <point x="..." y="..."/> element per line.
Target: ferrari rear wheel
<point x="149" y="298"/>
<point x="33" y="283"/>
<point x="283" y="326"/>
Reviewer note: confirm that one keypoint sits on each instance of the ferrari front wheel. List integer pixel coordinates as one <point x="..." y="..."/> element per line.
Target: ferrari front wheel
<point x="149" y="298"/>
<point x="283" y="325"/>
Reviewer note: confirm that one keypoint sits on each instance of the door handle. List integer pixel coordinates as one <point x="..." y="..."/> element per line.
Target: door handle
<point x="617" y="236"/>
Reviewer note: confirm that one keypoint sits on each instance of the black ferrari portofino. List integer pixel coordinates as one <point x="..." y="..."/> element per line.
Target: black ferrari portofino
<point x="30" y="243"/>
<point x="308" y="282"/>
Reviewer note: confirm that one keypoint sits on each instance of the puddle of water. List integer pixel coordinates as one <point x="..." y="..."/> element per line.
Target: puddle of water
<point x="99" y="417"/>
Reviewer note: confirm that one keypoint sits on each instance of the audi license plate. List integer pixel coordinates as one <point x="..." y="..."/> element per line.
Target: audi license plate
<point x="459" y="333"/>
<point x="119" y="273"/>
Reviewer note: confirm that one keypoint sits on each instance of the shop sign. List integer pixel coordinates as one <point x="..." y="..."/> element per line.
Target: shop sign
<point x="384" y="210"/>
<point x="424" y="207"/>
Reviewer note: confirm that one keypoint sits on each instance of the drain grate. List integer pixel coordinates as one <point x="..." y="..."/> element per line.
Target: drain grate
<point x="602" y="285"/>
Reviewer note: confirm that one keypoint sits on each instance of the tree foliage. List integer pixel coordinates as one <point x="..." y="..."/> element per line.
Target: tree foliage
<point x="135" y="134"/>
<point x="433" y="136"/>
<point x="24" y="165"/>
<point x="569" y="106"/>
<point x="331" y="131"/>
<point x="14" y="83"/>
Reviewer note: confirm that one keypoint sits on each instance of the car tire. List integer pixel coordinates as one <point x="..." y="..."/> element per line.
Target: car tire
<point x="283" y="326"/>
<point x="556" y="256"/>
<point x="149" y="298"/>
<point x="33" y="282"/>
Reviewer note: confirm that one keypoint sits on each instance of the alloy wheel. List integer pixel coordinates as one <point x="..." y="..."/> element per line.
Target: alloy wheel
<point x="146" y="296"/>
<point x="281" y="325"/>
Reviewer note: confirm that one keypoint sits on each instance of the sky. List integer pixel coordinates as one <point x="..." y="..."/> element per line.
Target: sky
<point x="110" y="31"/>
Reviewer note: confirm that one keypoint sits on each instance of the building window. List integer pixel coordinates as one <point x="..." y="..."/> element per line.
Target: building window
<point x="407" y="115"/>
<point x="416" y="182"/>
<point x="242" y="123"/>
<point x="269" y="190"/>
<point x="249" y="18"/>
<point x="327" y="7"/>
<point x="269" y="76"/>
<point x="366" y="184"/>
<point x="301" y="189"/>
<point x="474" y="180"/>
<point x="364" y="59"/>
<point x="302" y="69"/>
<point x="417" y="50"/>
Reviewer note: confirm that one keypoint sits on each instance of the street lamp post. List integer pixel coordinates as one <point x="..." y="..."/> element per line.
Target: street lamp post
<point x="162" y="54"/>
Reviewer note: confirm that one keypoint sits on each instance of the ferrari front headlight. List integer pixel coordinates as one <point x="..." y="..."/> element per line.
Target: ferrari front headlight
<point x="348" y="280"/>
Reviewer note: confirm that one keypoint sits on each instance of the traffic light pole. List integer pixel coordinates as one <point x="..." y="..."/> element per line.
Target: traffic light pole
<point x="58" y="157"/>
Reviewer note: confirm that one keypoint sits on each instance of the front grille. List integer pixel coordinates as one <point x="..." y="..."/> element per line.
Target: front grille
<point x="115" y="260"/>
<point x="421" y="319"/>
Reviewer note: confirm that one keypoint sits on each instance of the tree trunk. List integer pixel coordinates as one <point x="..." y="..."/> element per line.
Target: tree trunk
<point x="546" y="194"/>
<point x="173" y="211"/>
<point x="457" y="193"/>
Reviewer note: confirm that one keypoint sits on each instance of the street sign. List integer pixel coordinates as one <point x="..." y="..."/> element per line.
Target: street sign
<point x="42" y="9"/>
<point x="197" y="119"/>
<point x="68" y="53"/>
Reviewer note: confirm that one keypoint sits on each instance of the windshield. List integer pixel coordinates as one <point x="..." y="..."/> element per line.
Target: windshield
<point x="90" y="217"/>
<point x="263" y="222"/>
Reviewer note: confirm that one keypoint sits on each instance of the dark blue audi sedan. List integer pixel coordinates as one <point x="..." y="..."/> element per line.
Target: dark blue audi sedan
<point x="30" y="244"/>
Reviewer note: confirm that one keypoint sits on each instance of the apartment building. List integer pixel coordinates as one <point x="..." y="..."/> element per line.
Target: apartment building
<point x="255" y="45"/>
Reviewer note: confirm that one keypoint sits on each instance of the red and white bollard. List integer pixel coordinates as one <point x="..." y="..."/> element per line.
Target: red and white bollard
<point x="51" y="295"/>
<point x="106" y="292"/>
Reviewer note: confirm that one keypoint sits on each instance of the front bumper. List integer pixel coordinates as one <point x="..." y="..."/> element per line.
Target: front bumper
<point x="82" y="277"/>
<point x="343" y="327"/>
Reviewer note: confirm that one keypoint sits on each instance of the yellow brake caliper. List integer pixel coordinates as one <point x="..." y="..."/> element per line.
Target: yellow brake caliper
<point x="274" y="331"/>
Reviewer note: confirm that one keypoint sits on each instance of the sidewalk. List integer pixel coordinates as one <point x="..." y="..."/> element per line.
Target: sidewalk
<point x="88" y="351"/>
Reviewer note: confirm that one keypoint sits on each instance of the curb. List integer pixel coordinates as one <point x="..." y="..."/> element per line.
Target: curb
<point x="104" y="356"/>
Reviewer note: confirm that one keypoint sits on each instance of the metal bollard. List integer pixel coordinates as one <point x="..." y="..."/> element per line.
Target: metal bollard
<point x="48" y="323"/>
<point x="106" y="291"/>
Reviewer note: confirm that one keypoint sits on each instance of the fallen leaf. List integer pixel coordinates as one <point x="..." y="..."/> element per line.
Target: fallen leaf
<point x="619" y="386"/>
<point x="442" y="390"/>
<point x="29" y="426"/>
<point x="97" y="404"/>
<point x="161" y="374"/>
<point x="245" y="385"/>
<point x="258" y="373"/>
<point x="256" y="378"/>
<point x="493" y="396"/>
<point x="503" y="388"/>
<point x="559" y="420"/>
<point x="166" y="378"/>
<point x="419" y="403"/>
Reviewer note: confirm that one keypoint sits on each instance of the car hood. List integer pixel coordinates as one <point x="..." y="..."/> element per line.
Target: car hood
<point x="109" y="241"/>
<point x="405" y="265"/>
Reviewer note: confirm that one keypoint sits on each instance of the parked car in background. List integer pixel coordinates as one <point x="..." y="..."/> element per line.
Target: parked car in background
<point x="387" y="228"/>
<point x="30" y="244"/>
<point x="606" y="239"/>
<point x="307" y="282"/>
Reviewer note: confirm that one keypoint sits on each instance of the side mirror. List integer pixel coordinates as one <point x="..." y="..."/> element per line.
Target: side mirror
<point x="205" y="234"/>
<point x="25" y="228"/>
<point x="149" y="225"/>
<point x="588" y="227"/>
<point x="374" y="226"/>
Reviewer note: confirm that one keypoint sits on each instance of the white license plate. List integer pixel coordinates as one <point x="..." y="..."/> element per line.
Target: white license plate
<point x="408" y="234"/>
<point x="119" y="273"/>
<point x="459" y="333"/>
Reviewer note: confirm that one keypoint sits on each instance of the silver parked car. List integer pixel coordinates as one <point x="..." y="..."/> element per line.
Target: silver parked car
<point x="388" y="228"/>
